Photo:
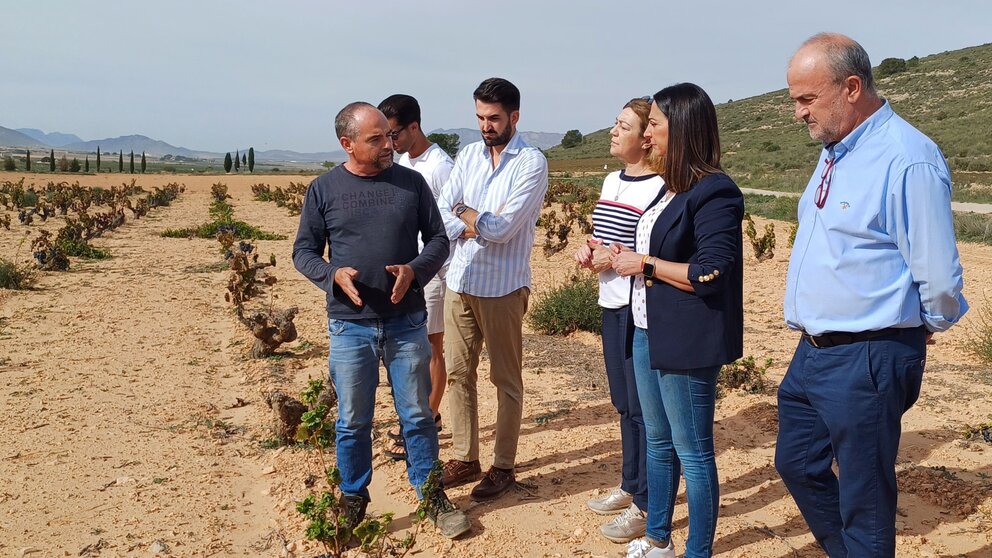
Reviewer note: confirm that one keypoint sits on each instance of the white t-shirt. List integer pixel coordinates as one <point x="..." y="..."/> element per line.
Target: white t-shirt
<point x="614" y="219"/>
<point x="434" y="165"/>
<point x="638" y="298"/>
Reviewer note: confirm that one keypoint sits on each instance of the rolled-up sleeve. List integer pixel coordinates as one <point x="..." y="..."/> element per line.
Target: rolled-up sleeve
<point x="523" y="205"/>
<point x="920" y="219"/>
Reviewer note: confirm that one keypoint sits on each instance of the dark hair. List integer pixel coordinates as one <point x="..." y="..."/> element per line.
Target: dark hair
<point x="693" y="137"/>
<point x="344" y="122"/>
<point x="846" y="57"/>
<point x="404" y="108"/>
<point x="498" y="90"/>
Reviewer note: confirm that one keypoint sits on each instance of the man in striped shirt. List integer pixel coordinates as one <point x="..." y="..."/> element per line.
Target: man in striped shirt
<point x="490" y="203"/>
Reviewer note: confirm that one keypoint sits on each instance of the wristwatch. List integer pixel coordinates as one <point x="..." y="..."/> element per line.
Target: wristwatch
<point x="648" y="269"/>
<point x="459" y="209"/>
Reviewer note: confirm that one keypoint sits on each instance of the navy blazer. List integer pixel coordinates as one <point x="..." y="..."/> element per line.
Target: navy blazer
<point x="701" y="227"/>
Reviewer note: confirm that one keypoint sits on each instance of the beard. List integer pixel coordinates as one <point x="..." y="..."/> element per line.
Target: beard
<point x="500" y="139"/>
<point x="383" y="162"/>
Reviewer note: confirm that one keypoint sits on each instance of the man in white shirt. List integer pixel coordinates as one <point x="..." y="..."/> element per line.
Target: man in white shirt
<point x="418" y="153"/>
<point x="490" y="204"/>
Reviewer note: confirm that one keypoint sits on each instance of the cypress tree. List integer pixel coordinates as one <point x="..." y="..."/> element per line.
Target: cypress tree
<point x="98" y="159"/>
<point x="227" y="162"/>
<point x="131" y="167"/>
<point x="27" y="161"/>
<point x="237" y="161"/>
<point x="120" y="162"/>
<point x="87" y="167"/>
<point x="244" y="159"/>
<point x="51" y="161"/>
<point x="251" y="159"/>
<point x="142" y="162"/>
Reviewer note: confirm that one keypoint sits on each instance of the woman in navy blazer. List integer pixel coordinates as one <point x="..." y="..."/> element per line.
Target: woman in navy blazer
<point x="687" y="308"/>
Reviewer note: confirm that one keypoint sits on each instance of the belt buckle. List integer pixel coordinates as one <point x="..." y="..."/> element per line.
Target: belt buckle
<point x="812" y="340"/>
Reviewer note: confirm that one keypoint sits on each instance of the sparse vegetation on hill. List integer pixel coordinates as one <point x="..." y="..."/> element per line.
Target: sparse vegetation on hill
<point x="947" y="96"/>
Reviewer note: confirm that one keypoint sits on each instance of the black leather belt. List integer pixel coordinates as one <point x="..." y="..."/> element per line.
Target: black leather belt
<point x="832" y="339"/>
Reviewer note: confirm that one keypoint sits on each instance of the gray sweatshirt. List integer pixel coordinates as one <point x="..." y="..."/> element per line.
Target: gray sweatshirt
<point x="369" y="222"/>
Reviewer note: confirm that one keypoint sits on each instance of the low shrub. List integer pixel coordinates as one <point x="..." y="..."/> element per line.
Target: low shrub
<point x="569" y="307"/>
<point x="743" y="374"/>
<point x="17" y="277"/>
<point x="980" y="335"/>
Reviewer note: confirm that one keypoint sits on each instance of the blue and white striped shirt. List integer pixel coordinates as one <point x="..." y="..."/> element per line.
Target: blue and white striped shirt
<point x="508" y="199"/>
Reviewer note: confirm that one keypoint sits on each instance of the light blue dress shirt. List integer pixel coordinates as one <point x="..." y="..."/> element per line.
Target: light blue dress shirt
<point x="508" y="199"/>
<point x="881" y="252"/>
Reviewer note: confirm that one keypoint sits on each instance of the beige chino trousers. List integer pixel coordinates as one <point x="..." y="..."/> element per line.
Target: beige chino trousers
<point x="498" y="321"/>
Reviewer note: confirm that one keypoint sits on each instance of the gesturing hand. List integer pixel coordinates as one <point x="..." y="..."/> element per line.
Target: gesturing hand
<point x="343" y="278"/>
<point x="404" y="276"/>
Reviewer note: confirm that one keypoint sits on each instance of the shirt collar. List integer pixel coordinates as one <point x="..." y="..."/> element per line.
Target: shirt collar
<point x="864" y="130"/>
<point x="513" y="147"/>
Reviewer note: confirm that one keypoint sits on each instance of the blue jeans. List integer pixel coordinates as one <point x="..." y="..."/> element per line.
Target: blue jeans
<point x="623" y="394"/>
<point x="678" y="408"/>
<point x="846" y="403"/>
<point x="357" y="347"/>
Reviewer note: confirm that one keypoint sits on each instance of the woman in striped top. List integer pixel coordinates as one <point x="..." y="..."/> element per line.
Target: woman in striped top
<point x="624" y="198"/>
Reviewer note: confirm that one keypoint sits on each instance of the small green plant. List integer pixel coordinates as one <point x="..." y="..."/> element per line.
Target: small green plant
<point x="980" y="335"/>
<point x="764" y="246"/>
<point x="15" y="276"/>
<point x="743" y="374"/>
<point x="324" y="510"/>
<point x="576" y="204"/>
<point x="569" y="307"/>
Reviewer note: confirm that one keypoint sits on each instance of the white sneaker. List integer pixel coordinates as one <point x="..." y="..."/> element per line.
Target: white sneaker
<point x="627" y="526"/>
<point x="641" y="548"/>
<point x="614" y="501"/>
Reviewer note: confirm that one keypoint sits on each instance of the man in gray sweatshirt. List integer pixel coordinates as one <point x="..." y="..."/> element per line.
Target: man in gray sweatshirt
<point x="367" y="214"/>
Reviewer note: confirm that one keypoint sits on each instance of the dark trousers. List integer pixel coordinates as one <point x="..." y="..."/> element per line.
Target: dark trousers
<point x="846" y="403"/>
<point x="623" y="394"/>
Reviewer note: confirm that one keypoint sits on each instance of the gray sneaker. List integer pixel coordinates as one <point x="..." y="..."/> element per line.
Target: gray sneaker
<point x="627" y="526"/>
<point x="614" y="501"/>
<point x="449" y="520"/>
<point x="641" y="548"/>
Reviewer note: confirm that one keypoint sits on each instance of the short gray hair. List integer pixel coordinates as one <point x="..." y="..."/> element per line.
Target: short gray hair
<point x="845" y="56"/>
<point x="345" y="124"/>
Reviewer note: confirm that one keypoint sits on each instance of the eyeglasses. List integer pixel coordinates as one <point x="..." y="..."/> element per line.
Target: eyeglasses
<point x="393" y="134"/>
<point x="823" y="190"/>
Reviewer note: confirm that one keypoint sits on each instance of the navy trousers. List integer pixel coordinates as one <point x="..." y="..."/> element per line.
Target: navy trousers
<point x="623" y="395"/>
<point x="845" y="403"/>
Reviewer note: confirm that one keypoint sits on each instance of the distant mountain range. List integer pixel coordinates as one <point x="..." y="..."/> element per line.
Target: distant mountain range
<point x="541" y="140"/>
<point x="33" y="138"/>
<point x="54" y="139"/>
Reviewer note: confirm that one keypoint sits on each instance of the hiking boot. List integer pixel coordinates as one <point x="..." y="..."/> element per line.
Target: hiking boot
<point x="448" y="519"/>
<point x="627" y="526"/>
<point x="457" y="473"/>
<point x="354" y="510"/>
<point x="641" y="548"/>
<point x="496" y="482"/>
<point x="616" y="500"/>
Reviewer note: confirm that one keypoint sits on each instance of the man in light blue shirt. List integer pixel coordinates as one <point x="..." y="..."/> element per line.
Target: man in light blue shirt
<point x="490" y="206"/>
<point x="874" y="272"/>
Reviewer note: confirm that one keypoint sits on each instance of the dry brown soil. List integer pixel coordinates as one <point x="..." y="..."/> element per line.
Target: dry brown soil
<point x="132" y="419"/>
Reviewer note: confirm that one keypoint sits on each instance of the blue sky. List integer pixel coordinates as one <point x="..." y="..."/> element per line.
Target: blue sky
<point x="219" y="75"/>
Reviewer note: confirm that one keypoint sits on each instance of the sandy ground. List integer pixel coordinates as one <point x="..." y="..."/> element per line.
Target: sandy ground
<point x="133" y="420"/>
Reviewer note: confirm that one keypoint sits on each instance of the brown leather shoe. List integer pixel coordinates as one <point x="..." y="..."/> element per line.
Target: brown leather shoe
<point x="494" y="484"/>
<point x="457" y="473"/>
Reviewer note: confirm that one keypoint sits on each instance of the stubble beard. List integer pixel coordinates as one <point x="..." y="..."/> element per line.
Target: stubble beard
<point x="501" y="139"/>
